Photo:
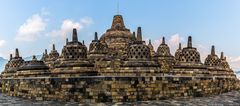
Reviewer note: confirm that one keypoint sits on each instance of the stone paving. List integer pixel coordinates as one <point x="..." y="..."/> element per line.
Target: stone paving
<point x="226" y="99"/>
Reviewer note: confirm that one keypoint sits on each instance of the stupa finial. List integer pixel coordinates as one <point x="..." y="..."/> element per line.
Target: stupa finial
<point x="163" y="40"/>
<point x="66" y="40"/>
<point x="53" y="47"/>
<point x="96" y="36"/>
<point x="46" y="51"/>
<point x="222" y="56"/>
<point x="34" y="58"/>
<point x="139" y="34"/>
<point x="189" y="41"/>
<point x="16" y="53"/>
<point x="213" y="50"/>
<point x="134" y="36"/>
<point x="10" y="57"/>
<point x="150" y="42"/>
<point x="117" y="7"/>
<point x="180" y="46"/>
<point x="74" y="35"/>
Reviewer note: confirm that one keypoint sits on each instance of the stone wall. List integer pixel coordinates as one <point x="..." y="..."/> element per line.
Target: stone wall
<point x="115" y="89"/>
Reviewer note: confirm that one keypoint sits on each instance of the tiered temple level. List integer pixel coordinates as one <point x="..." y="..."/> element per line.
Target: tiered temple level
<point x="117" y="67"/>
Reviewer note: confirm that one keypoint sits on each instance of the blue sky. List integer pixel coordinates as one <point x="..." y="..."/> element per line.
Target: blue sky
<point x="33" y="25"/>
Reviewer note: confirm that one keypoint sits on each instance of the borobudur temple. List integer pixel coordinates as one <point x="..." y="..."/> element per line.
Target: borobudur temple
<point x="117" y="67"/>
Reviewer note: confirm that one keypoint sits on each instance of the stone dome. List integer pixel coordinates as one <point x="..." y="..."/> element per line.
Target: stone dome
<point x="151" y="48"/>
<point x="190" y="54"/>
<point x="178" y="52"/>
<point x="223" y="62"/>
<point x="74" y="50"/>
<point x="163" y="49"/>
<point x="45" y="56"/>
<point x="53" y="55"/>
<point x="212" y="59"/>
<point x="14" y="63"/>
<point x="7" y="65"/>
<point x="138" y="50"/>
<point x="118" y="36"/>
<point x="150" y="45"/>
<point x="34" y="64"/>
<point x="97" y="47"/>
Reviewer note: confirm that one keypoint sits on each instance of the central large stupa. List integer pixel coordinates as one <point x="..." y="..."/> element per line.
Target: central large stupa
<point x="118" y="36"/>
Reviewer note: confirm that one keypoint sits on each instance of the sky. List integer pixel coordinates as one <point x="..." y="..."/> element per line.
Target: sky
<point x="34" y="25"/>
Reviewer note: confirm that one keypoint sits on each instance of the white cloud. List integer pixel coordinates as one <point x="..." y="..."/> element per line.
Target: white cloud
<point x="44" y="11"/>
<point x="2" y="42"/>
<point x="156" y="43"/>
<point x="204" y="51"/>
<point x="86" y="21"/>
<point x="6" y="54"/>
<point x="174" y="41"/>
<point x="234" y="59"/>
<point x="234" y="62"/>
<point x="67" y="27"/>
<point x="31" y="29"/>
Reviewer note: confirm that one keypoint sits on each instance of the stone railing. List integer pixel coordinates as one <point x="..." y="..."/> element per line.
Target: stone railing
<point x="115" y="89"/>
